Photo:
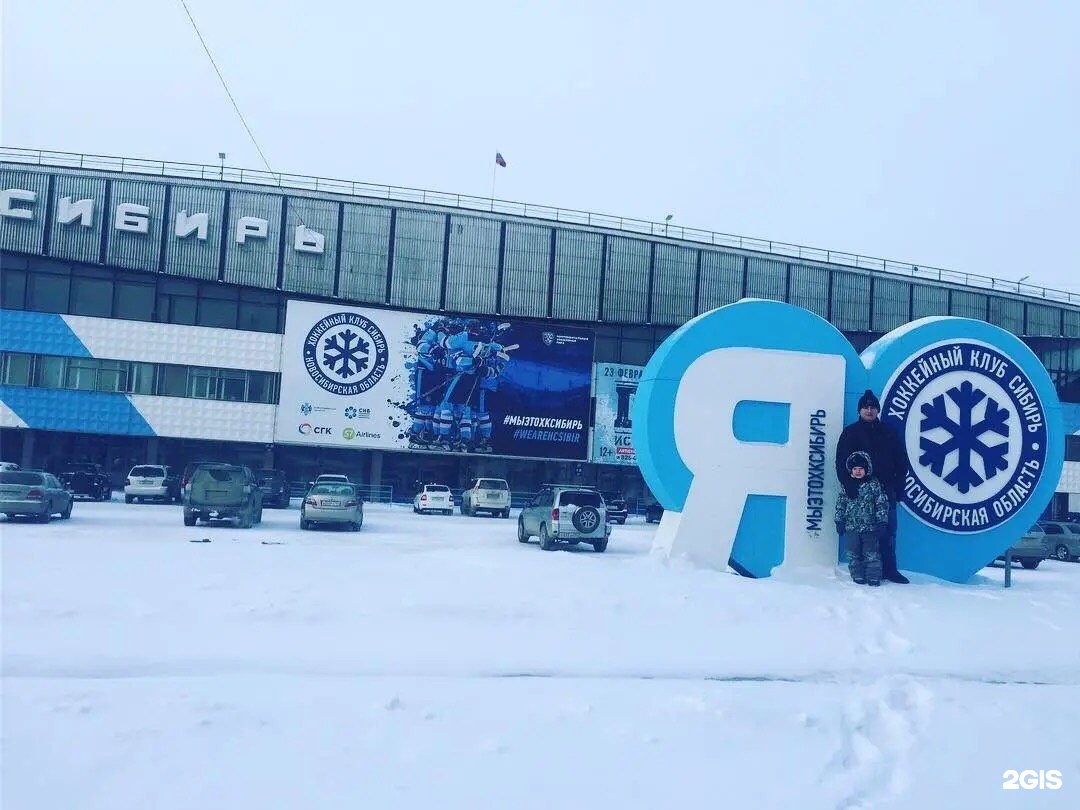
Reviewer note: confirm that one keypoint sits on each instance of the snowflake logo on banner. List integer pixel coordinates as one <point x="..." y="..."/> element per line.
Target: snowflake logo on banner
<point x="975" y="433"/>
<point x="350" y="412"/>
<point x="964" y="437"/>
<point x="345" y="353"/>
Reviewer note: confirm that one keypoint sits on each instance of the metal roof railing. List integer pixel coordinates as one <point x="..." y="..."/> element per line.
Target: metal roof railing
<point x="198" y="171"/>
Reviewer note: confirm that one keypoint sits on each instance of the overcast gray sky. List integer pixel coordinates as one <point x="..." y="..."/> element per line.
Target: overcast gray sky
<point x="941" y="133"/>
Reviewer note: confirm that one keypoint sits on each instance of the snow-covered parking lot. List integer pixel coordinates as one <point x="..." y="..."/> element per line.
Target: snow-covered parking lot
<point x="431" y="661"/>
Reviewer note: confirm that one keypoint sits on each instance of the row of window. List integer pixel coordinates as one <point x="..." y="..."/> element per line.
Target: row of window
<point x="46" y="285"/>
<point x="129" y="377"/>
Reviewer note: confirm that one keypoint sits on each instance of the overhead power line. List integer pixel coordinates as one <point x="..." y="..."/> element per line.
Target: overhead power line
<point x="225" y="84"/>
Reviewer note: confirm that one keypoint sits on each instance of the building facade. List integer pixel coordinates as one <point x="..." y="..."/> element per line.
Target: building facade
<point x="149" y="315"/>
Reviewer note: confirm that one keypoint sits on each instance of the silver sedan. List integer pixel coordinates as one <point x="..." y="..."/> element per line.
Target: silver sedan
<point x="34" y="493"/>
<point x="332" y="503"/>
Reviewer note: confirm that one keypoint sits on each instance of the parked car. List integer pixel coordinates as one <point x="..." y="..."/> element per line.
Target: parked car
<point x="617" y="510"/>
<point x="8" y="465"/>
<point x="1031" y="549"/>
<point x="152" y="482"/>
<point x="223" y="492"/>
<point x="189" y="470"/>
<point x="433" y="498"/>
<point x="275" y="487"/>
<point x="1063" y="538"/>
<point x="332" y="502"/>
<point x="34" y="493"/>
<point x="88" y="480"/>
<point x="491" y="495"/>
<point x="653" y="513"/>
<point x="565" y="513"/>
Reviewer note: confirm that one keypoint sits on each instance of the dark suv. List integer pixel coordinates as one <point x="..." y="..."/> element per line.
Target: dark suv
<point x="275" y="488"/>
<point x="617" y="510"/>
<point x="223" y="492"/>
<point x="86" y="479"/>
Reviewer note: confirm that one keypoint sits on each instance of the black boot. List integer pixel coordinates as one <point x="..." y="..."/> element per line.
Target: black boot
<point x="897" y="577"/>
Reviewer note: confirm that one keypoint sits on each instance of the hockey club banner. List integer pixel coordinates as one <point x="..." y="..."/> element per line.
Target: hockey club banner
<point x="362" y="377"/>
<point x="614" y="387"/>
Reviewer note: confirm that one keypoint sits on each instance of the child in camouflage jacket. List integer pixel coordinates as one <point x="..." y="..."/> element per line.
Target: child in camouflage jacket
<point x="863" y="519"/>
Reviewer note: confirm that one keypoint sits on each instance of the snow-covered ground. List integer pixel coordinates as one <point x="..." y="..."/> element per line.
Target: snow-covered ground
<point x="434" y="662"/>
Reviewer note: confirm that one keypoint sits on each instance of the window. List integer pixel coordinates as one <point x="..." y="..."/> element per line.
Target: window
<point x="142" y="378"/>
<point x="217" y="311"/>
<point x="13" y="291"/>
<point x="1051" y="528"/>
<point x="49" y="372"/>
<point x="112" y="375"/>
<point x="134" y="300"/>
<point x="233" y="385"/>
<point x="262" y="386"/>
<point x="202" y="383"/>
<point x="81" y="373"/>
<point x="1072" y="448"/>
<point x="258" y="317"/>
<point x="16" y="370"/>
<point x="91" y="296"/>
<point x="172" y="381"/>
<point x="48" y="292"/>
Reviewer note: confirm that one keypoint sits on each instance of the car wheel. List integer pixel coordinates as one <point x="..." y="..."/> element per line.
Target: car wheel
<point x="305" y="524"/>
<point x="128" y="499"/>
<point x="67" y="512"/>
<point x="545" y="540"/>
<point x="245" y="520"/>
<point x="190" y="520"/>
<point x="44" y="517"/>
<point x="586" y="519"/>
<point x="506" y="514"/>
<point x="1031" y="565"/>
<point x="354" y="527"/>
<point x="522" y="537"/>
<point x="258" y="516"/>
<point x="600" y="545"/>
<point x="1062" y="553"/>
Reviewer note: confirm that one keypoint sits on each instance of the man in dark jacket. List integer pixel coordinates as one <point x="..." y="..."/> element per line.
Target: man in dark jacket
<point x="889" y="457"/>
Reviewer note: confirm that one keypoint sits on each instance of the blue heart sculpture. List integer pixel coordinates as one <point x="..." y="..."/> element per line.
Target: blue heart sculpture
<point x="975" y="408"/>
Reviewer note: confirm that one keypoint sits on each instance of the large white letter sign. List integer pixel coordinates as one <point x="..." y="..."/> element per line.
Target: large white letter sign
<point x="738" y="413"/>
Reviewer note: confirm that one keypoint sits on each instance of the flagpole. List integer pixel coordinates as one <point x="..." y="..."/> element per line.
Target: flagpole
<point x="494" y="168"/>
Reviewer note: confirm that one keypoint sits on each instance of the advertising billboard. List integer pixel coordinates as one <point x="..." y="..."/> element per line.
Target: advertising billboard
<point x="614" y="387"/>
<point x="363" y="377"/>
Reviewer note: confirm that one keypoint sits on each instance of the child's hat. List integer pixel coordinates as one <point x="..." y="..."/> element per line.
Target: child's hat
<point x="860" y="459"/>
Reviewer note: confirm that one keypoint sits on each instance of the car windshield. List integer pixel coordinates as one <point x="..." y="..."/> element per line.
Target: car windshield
<point x="489" y="483"/>
<point x="1073" y="527"/>
<point x="343" y="490"/>
<point x="15" y="477"/>
<point x="580" y="499"/>
<point x="269" y="475"/>
<point x="436" y="488"/>
<point x="148" y="472"/>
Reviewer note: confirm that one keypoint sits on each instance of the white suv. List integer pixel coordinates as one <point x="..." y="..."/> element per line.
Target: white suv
<point x="433" y="498"/>
<point x="491" y="495"/>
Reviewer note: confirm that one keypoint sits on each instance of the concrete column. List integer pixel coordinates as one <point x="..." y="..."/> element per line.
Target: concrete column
<point x="27" y="459"/>
<point x="268" y="458"/>
<point x="152" y="450"/>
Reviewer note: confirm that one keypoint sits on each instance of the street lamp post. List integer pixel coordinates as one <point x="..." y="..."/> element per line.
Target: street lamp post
<point x="667" y="219"/>
<point x="221" y="157"/>
<point x="1020" y="280"/>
